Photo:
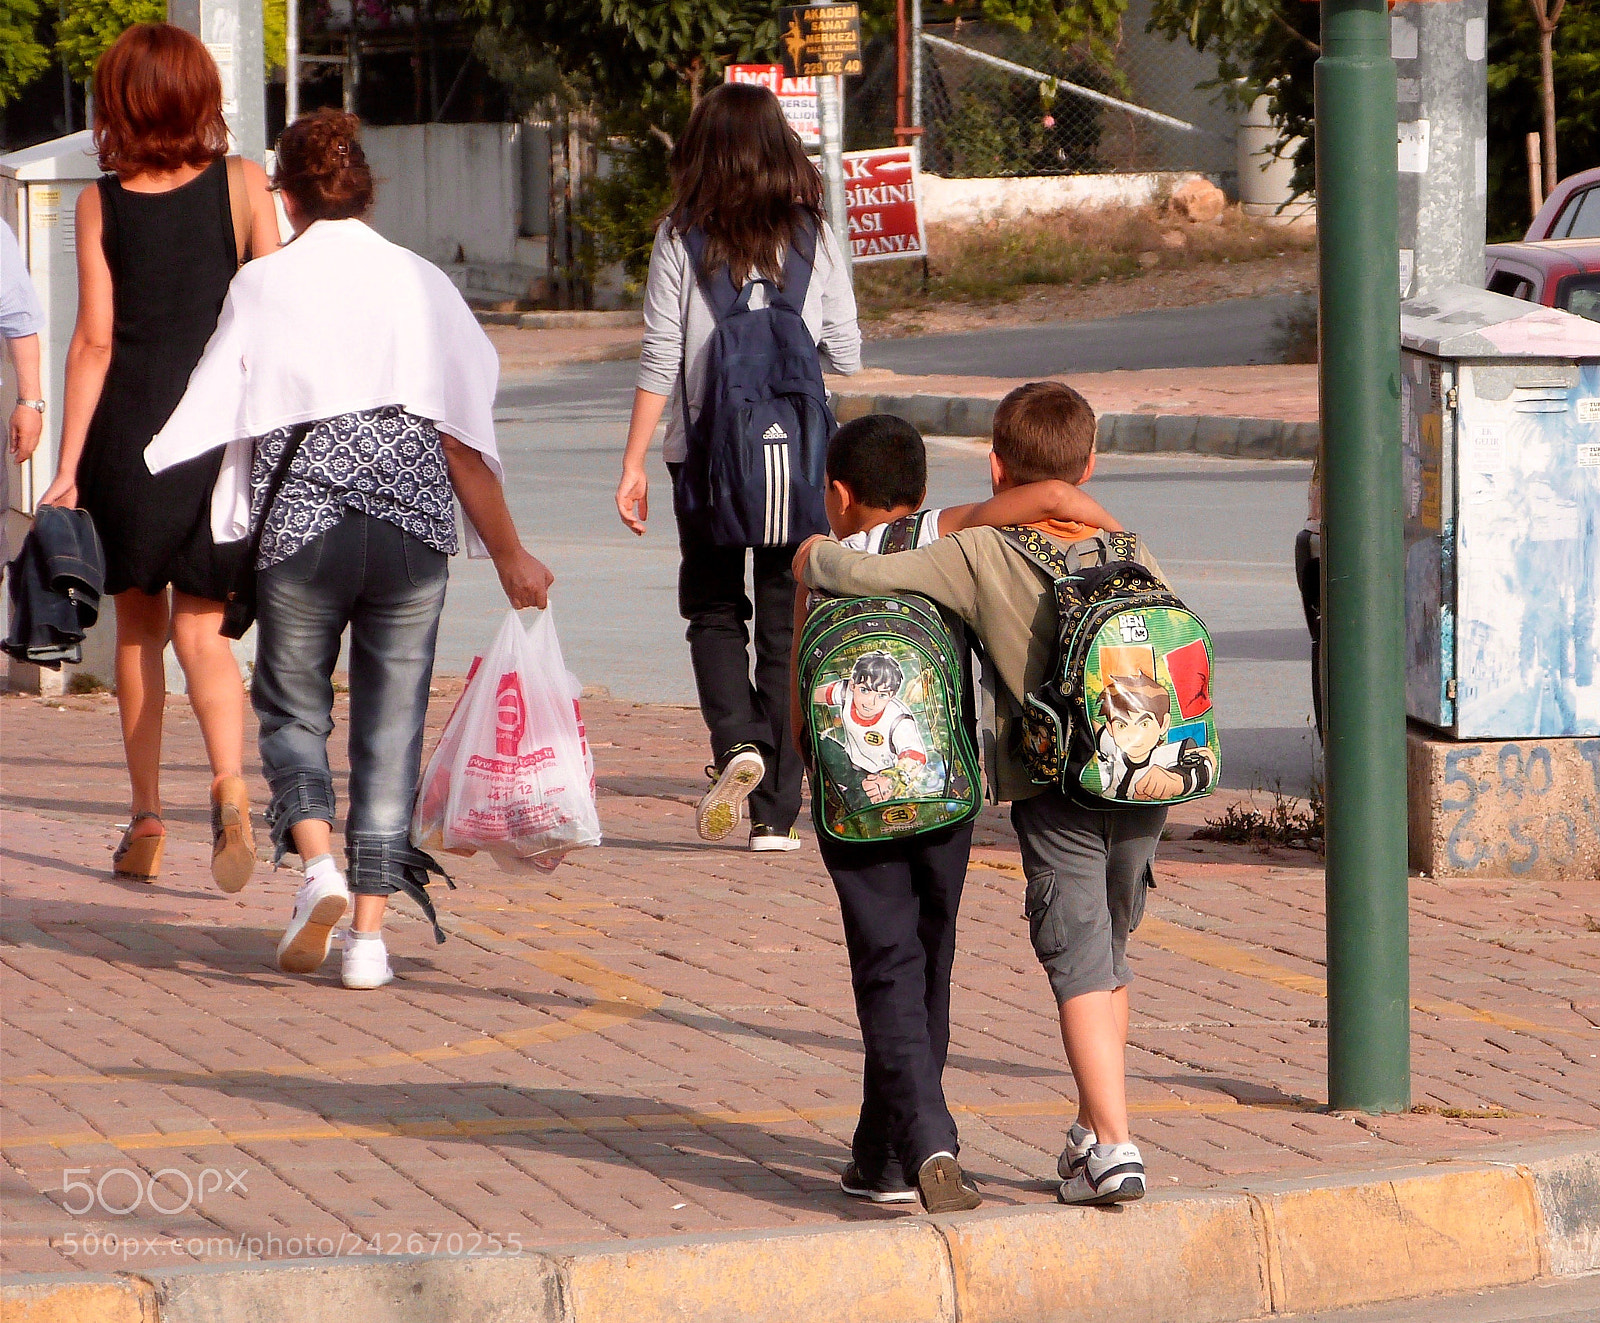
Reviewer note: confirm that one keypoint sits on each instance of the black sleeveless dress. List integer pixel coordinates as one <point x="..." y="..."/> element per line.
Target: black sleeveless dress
<point x="171" y="257"/>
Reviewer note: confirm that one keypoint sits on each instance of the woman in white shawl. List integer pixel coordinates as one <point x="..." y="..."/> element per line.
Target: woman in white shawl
<point x="362" y="360"/>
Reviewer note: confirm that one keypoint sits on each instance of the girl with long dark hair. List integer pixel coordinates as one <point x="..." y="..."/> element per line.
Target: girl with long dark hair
<point x="741" y="178"/>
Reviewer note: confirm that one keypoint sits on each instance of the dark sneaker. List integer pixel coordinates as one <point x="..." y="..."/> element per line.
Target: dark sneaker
<point x="763" y="839"/>
<point x="1076" y="1152"/>
<point x="722" y="806"/>
<point x="884" y="1190"/>
<point x="1111" y="1174"/>
<point x="943" y="1188"/>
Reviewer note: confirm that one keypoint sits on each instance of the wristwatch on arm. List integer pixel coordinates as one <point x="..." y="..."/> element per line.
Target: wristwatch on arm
<point x="36" y="405"/>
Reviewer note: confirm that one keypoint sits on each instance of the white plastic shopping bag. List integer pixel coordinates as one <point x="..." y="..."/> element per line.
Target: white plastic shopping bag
<point x="512" y="773"/>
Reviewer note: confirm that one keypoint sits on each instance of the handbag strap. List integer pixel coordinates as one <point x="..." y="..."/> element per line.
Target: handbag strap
<point x="239" y="208"/>
<point x="247" y="567"/>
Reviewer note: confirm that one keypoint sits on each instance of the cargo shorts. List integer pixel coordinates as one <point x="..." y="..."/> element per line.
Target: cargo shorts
<point x="1088" y="873"/>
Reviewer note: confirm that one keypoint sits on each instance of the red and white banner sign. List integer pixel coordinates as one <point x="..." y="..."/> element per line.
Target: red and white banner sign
<point x="880" y="189"/>
<point x="797" y="96"/>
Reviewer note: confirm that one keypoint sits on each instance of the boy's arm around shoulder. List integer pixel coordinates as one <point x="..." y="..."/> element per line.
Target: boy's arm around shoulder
<point x="943" y="571"/>
<point x="1028" y="504"/>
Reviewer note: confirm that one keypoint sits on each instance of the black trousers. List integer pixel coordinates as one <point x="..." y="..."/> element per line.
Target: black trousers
<point x="899" y="901"/>
<point x="712" y="598"/>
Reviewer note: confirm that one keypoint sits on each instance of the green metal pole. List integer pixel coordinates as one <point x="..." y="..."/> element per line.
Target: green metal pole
<point x="1369" y="1049"/>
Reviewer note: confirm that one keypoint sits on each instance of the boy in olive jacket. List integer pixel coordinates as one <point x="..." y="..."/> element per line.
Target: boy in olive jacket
<point x="1087" y="869"/>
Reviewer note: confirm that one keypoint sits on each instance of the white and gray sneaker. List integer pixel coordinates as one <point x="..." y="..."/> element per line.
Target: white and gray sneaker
<point x="722" y="807"/>
<point x="366" y="963"/>
<point x="320" y="903"/>
<point x="1080" y="1140"/>
<point x="1111" y="1174"/>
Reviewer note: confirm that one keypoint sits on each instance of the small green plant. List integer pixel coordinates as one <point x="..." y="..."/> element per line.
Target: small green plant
<point x="1286" y="823"/>
<point x="1294" y="333"/>
<point x="85" y="682"/>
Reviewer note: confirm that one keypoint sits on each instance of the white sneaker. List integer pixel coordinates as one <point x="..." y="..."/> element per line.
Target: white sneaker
<point x="1079" y="1141"/>
<point x="319" y="904"/>
<point x="722" y="806"/>
<point x="1111" y="1174"/>
<point x="366" y="963"/>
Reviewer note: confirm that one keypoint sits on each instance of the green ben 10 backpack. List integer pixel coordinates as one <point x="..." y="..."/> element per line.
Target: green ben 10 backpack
<point x="1125" y="718"/>
<point x="882" y="687"/>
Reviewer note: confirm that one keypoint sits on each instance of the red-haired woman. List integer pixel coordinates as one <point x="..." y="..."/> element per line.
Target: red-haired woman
<point x="156" y="250"/>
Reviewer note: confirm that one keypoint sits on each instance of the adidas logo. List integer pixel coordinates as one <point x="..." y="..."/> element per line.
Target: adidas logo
<point x="775" y="433"/>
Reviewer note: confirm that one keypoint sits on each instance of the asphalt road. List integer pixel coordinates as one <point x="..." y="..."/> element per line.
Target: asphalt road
<point x="1555" y="1300"/>
<point x="1224" y="530"/>
<point x="1239" y="331"/>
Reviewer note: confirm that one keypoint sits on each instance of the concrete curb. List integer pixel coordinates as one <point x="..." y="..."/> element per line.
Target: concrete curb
<point x="574" y="320"/>
<point x="1276" y="1249"/>
<point x="1129" y="433"/>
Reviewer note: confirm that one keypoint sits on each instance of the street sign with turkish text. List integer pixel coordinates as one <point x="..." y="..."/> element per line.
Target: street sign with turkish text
<point x="818" y="40"/>
<point x="797" y="97"/>
<point x="881" y="196"/>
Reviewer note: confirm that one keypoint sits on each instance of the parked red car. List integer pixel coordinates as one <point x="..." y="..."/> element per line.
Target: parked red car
<point x="1559" y="273"/>
<point x="1572" y="211"/>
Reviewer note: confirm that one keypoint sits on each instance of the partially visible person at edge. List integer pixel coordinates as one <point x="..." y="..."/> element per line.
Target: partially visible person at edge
<point x="21" y="320"/>
<point x="367" y="356"/>
<point x="156" y="250"/>
<point x="740" y="174"/>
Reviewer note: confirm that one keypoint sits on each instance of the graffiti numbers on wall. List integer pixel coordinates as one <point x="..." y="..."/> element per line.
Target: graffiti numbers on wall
<point x="1504" y="815"/>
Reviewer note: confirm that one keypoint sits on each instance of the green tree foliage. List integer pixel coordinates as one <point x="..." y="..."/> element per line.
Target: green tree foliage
<point x="637" y="52"/>
<point x="1514" y="100"/>
<point x="1262" y="47"/>
<point x="23" y="56"/>
<point x="1095" y="24"/>
<point x="88" y="27"/>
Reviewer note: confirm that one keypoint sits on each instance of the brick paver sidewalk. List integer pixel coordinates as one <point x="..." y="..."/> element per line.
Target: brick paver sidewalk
<point x="659" y="1038"/>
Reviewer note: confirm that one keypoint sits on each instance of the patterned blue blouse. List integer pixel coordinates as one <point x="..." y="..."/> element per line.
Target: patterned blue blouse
<point x="384" y="462"/>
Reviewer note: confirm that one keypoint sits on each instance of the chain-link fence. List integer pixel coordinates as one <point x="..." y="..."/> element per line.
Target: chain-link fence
<point x="997" y="101"/>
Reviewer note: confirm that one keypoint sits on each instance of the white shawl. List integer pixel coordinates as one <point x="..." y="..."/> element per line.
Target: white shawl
<point x="338" y="321"/>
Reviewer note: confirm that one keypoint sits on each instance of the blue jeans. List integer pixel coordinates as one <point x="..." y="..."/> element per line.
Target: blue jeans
<point x="388" y="587"/>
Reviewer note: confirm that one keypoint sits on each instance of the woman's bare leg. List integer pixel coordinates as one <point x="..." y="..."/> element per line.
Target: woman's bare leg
<point x="142" y="626"/>
<point x="216" y="692"/>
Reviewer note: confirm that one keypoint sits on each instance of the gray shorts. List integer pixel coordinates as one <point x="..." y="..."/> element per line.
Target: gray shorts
<point x="1087" y="872"/>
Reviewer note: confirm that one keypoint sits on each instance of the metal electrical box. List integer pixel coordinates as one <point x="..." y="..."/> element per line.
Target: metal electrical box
<point x="1500" y="435"/>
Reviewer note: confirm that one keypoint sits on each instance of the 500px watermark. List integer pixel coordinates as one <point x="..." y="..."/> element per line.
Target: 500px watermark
<point x="130" y="1190"/>
<point x="109" y="1244"/>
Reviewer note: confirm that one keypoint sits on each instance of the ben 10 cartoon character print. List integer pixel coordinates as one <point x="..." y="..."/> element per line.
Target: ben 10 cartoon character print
<point x="1154" y="740"/>
<point x="877" y="750"/>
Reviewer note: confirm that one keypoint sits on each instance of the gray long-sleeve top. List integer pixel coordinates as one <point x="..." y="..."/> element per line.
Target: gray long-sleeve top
<point x="678" y="324"/>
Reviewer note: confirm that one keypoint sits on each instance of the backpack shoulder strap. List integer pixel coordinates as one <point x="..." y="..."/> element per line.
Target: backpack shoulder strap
<point x="798" y="264"/>
<point x="239" y="206"/>
<point x="1040" y="550"/>
<point x="717" y="286"/>
<point x="901" y="535"/>
<point x="1124" y="546"/>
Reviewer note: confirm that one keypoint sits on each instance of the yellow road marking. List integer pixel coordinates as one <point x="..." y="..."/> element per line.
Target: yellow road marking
<point x="488" y="1127"/>
<point x="1220" y="953"/>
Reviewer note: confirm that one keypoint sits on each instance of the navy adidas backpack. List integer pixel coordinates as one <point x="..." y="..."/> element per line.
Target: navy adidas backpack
<point x="754" y="471"/>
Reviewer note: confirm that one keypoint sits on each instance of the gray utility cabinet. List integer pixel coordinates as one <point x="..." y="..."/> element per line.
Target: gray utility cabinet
<point x="1500" y="436"/>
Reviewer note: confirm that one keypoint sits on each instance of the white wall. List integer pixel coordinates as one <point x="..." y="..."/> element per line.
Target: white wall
<point x="968" y="200"/>
<point x="448" y="191"/>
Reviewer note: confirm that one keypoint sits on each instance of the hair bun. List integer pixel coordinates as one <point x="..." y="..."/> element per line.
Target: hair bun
<point x="322" y="167"/>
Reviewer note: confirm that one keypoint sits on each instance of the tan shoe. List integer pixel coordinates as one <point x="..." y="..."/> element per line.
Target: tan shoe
<point x="138" y="858"/>
<point x="233" y="842"/>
